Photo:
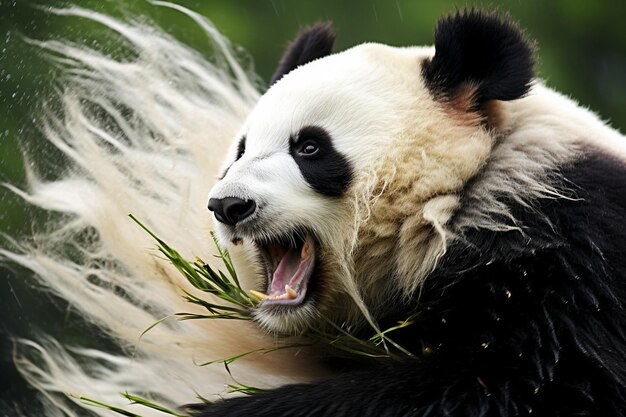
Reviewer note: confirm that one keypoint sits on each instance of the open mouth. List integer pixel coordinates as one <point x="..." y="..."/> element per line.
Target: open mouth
<point x="289" y="264"/>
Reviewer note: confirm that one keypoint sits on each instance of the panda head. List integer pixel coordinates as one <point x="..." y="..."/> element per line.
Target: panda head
<point x="345" y="174"/>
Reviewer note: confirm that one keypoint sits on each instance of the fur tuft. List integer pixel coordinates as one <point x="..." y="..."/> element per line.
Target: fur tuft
<point x="144" y="136"/>
<point x="503" y="241"/>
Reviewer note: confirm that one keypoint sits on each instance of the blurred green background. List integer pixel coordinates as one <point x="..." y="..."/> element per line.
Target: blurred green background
<point x="581" y="53"/>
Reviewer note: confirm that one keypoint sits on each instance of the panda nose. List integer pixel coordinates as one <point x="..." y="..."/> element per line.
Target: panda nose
<point x="230" y="210"/>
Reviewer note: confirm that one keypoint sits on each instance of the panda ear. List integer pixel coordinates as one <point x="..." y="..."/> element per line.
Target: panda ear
<point x="311" y="43"/>
<point x="479" y="57"/>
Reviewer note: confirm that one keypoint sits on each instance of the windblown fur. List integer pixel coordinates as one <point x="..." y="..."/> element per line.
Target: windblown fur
<point x="144" y="136"/>
<point x="442" y="180"/>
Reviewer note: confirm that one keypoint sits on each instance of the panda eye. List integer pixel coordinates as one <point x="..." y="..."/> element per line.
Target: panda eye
<point x="308" y="148"/>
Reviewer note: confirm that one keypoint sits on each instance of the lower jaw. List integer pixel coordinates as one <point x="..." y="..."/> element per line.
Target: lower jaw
<point x="286" y="320"/>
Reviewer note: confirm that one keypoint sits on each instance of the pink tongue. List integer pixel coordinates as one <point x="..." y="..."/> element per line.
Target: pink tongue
<point x="287" y="268"/>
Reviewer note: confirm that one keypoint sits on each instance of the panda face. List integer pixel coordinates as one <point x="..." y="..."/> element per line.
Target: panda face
<point x="296" y="170"/>
<point x="344" y="176"/>
<point x="309" y="180"/>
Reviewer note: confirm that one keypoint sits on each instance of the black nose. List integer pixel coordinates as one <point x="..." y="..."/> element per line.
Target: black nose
<point x="230" y="210"/>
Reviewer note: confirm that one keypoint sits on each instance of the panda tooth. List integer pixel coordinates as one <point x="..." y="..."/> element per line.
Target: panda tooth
<point x="257" y="294"/>
<point x="290" y="293"/>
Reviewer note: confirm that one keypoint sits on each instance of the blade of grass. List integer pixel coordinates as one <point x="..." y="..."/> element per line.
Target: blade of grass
<point x="99" y="404"/>
<point x="231" y="359"/>
<point x="134" y="399"/>
<point x="156" y="323"/>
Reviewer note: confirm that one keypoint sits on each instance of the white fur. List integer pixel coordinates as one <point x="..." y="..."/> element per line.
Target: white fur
<point x="158" y="165"/>
<point x="372" y="101"/>
<point x="413" y="158"/>
<point x="542" y="130"/>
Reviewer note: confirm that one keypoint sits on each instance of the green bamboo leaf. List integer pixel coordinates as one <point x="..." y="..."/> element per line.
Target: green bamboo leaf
<point x="134" y="399"/>
<point x="109" y="407"/>
<point x="203" y="399"/>
<point x="237" y="305"/>
<point x="231" y="359"/>
<point x="245" y="389"/>
<point x="227" y="261"/>
<point x="191" y="316"/>
<point x="153" y="325"/>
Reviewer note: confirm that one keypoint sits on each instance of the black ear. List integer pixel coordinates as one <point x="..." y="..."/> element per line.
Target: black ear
<point x="311" y="43"/>
<point x="481" y="54"/>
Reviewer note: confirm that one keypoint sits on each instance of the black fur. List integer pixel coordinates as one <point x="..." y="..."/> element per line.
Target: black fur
<point x="328" y="172"/>
<point x="241" y="149"/>
<point x="311" y="43"/>
<point x="479" y="50"/>
<point x="513" y="323"/>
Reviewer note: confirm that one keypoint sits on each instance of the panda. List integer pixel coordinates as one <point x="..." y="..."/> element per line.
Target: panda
<point x="443" y="182"/>
<point x="447" y="180"/>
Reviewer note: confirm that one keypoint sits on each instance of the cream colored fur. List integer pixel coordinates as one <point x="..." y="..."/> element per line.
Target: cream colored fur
<point x="424" y="175"/>
<point x="425" y="172"/>
<point x="405" y="151"/>
<point x="158" y="165"/>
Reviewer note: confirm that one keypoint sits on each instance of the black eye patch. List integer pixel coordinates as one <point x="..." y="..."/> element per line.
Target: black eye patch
<point x="326" y="170"/>
<point x="241" y="149"/>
